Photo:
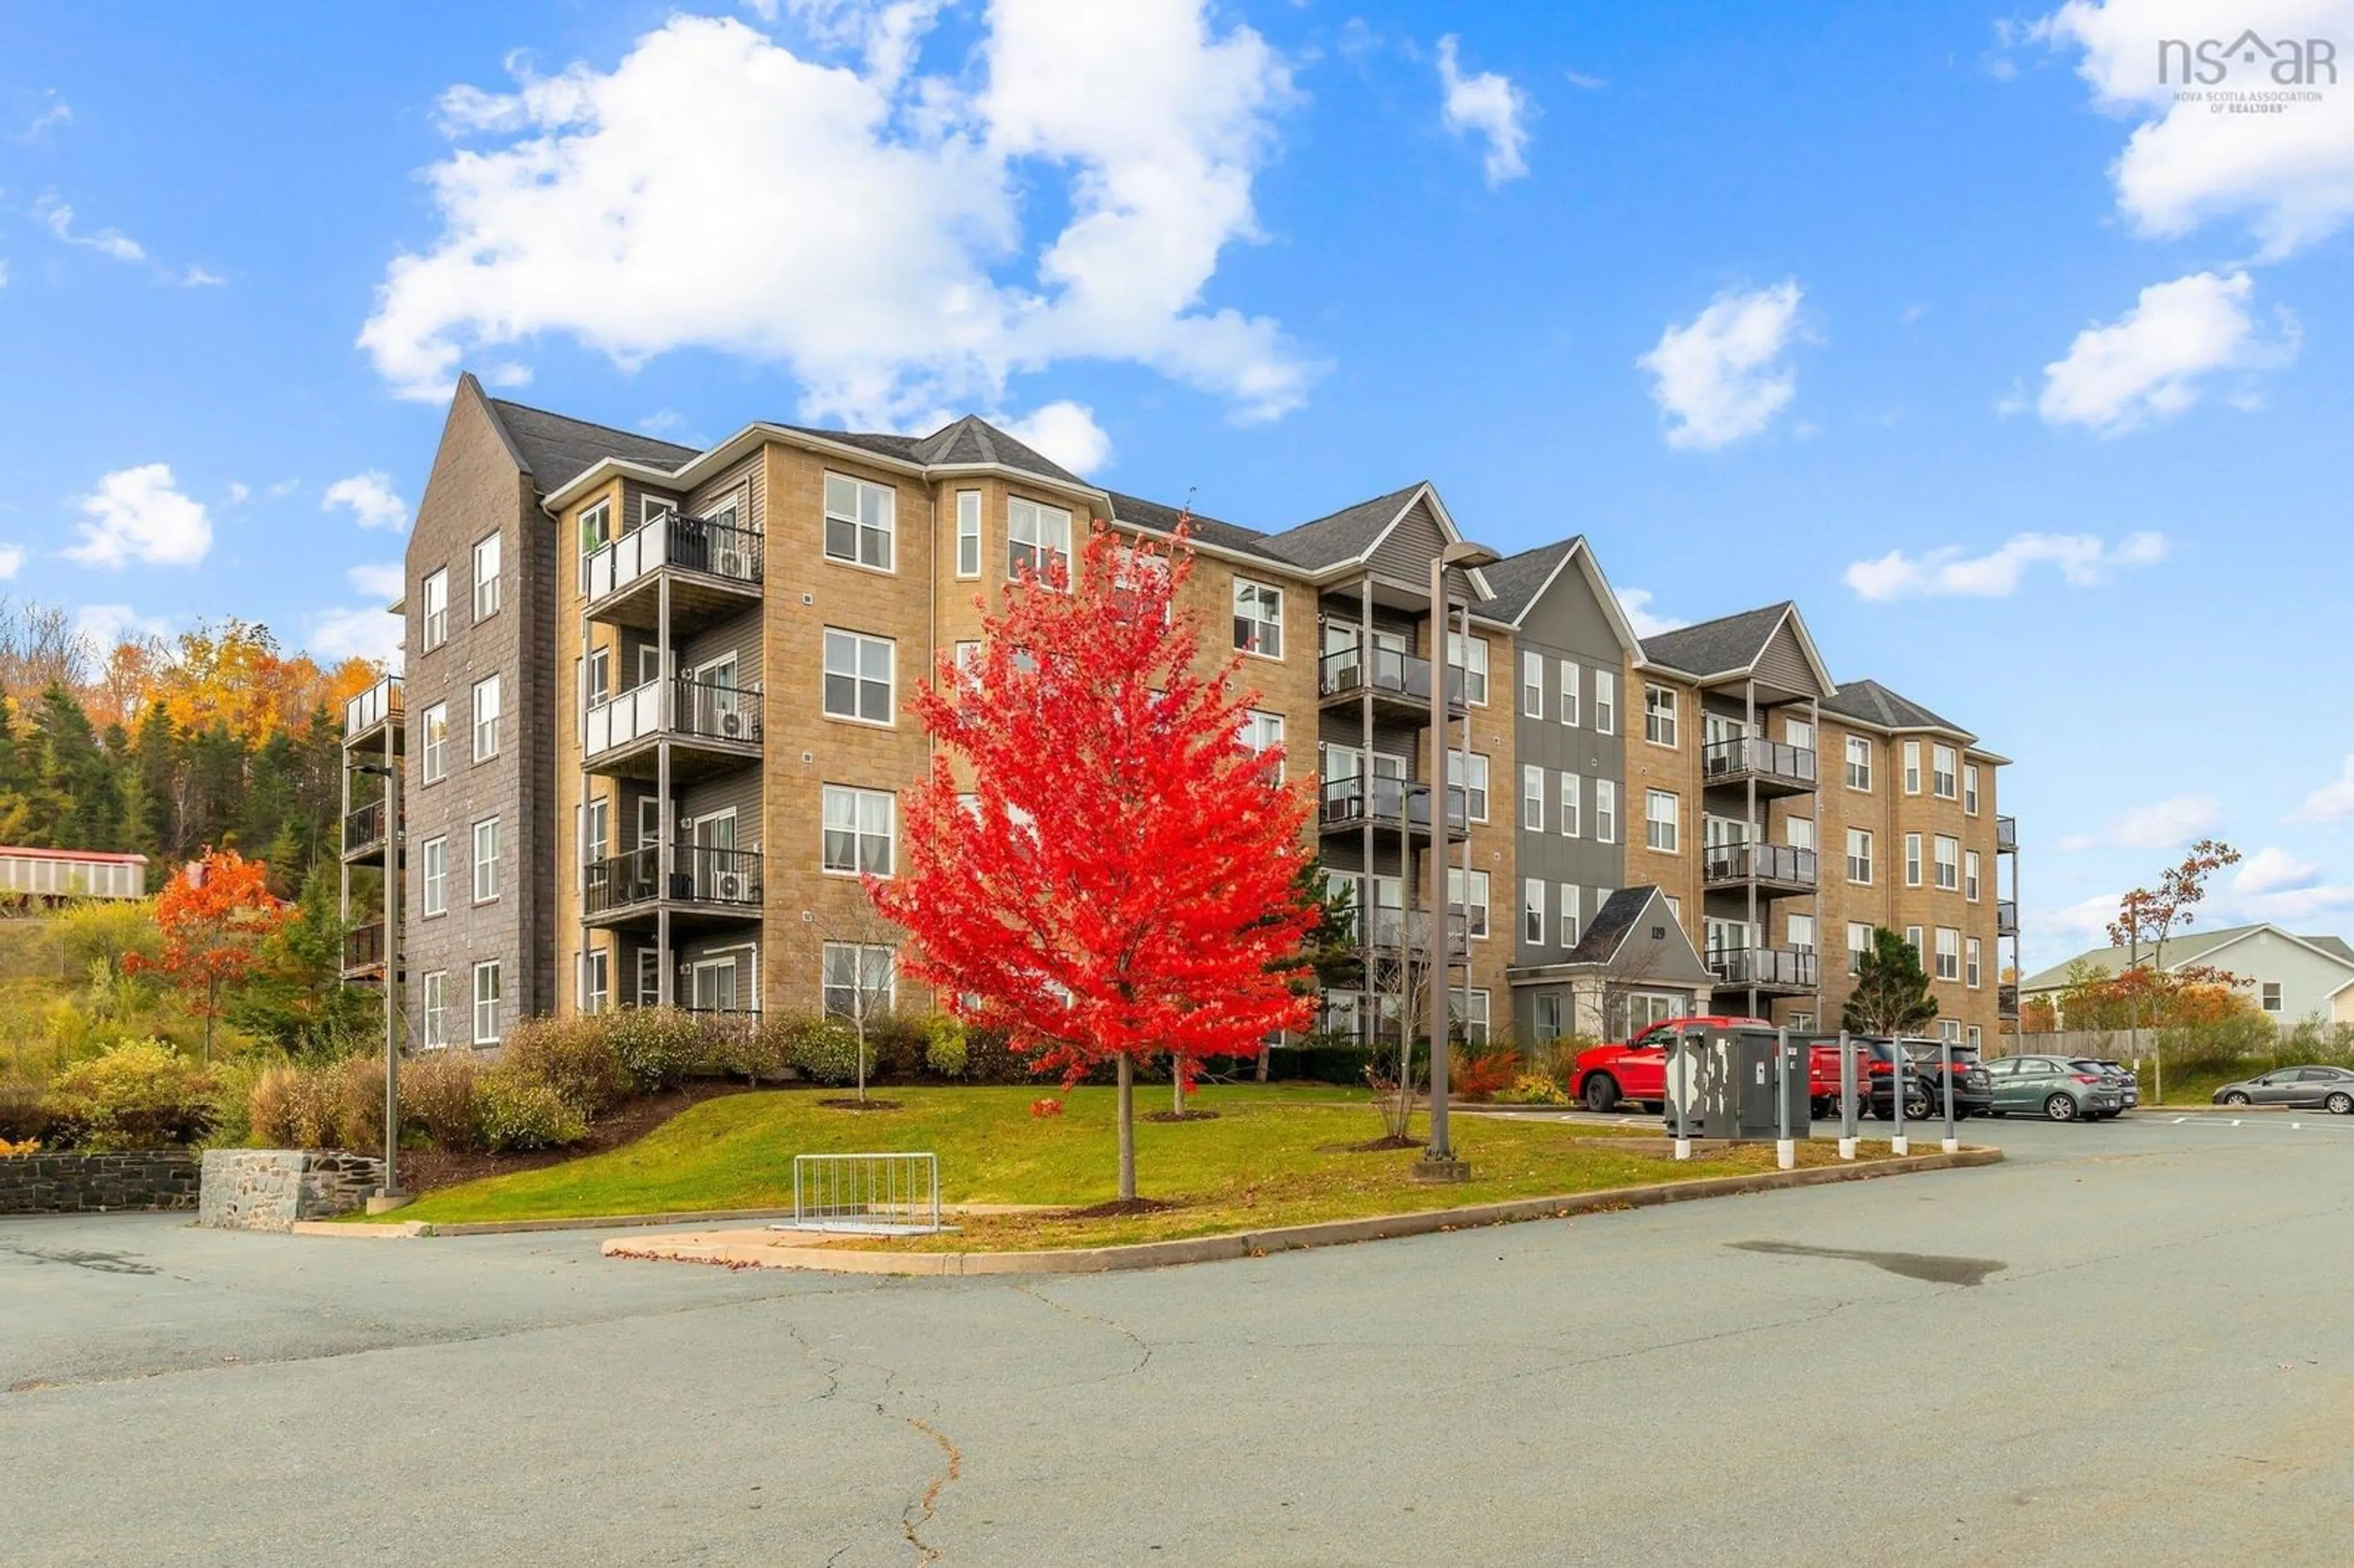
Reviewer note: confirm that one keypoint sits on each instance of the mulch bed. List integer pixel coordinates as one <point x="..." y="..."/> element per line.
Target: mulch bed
<point x="1169" y="1116"/>
<point x="424" y="1169"/>
<point x="1370" y="1146"/>
<point x="851" y="1102"/>
<point x="1118" y="1209"/>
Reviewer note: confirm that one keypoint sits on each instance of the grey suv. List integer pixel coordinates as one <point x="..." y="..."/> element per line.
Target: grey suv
<point x="2053" y="1087"/>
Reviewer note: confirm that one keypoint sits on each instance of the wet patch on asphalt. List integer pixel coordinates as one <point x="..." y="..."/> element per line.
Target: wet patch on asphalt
<point x="1928" y="1267"/>
<point x="96" y="1262"/>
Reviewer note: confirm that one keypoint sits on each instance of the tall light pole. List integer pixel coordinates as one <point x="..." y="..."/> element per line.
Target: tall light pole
<point x="1438" y="1162"/>
<point x="390" y="1197"/>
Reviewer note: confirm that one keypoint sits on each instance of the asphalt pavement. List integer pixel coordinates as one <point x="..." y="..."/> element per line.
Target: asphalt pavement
<point x="2128" y="1343"/>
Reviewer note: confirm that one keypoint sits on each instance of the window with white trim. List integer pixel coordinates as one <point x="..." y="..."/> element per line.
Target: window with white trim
<point x="1568" y="694"/>
<point x="1970" y="788"/>
<point x="856" y="979"/>
<point x="1262" y="733"/>
<point x="1912" y="767"/>
<point x="1970" y="876"/>
<point x="1912" y="940"/>
<point x="1659" y="716"/>
<point x="436" y="596"/>
<point x="1661" y="814"/>
<point x="596" y="533"/>
<point x="597" y="677"/>
<point x="1472" y="897"/>
<point x="486" y="1002"/>
<point x="1949" y="1031"/>
<point x="1533" y="798"/>
<point x="1038" y="539"/>
<point x="1944" y="783"/>
<point x="597" y="831"/>
<point x="1548" y="1015"/>
<point x="1569" y="918"/>
<point x="858" y="676"/>
<point x="1859" y="763"/>
<point x="434" y="726"/>
<point x="1949" y="953"/>
<point x="486" y="577"/>
<point x="1945" y="858"/>
<point x="487" y="703"/>
<point x="1911" y="860"/>
<point x="968" y="536"/>
<point x="1859" y="943"/>
<point x="437" y="1009"/>
<point x="861" y="521"/>
<point x="433" y="877"/>
<point x="1802" y="933"/>
<point x="1973" y="955"/>
<point x="860" y="831"/>
<point x="1533" y="911"/>
<point x="1475" y="793"/>
<point x="1972" y="1033"/>
<point x="1571" y="788"/>
<point x="1798" y="832"/>
<point x="1532" y="683"/>
<point x="1606" y="702"/>
<point x="1858" y="856"/>
<point x="1475" y="1019"/>
<point x="1606" y="811"/>
<point x="486" y="860"/>
<point x="2269" y="996"/>
<point x="1258" y="618"/>
<point x="596" y="980"/>
<point x="1473" y="660"/>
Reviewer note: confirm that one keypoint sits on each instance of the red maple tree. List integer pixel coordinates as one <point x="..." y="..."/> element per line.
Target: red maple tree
<point x="1096" y="865"/>
<point x="214" y="917"/>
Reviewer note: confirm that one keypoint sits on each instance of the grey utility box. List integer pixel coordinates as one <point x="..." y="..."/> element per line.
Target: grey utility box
<point x="1727" y="1079"/>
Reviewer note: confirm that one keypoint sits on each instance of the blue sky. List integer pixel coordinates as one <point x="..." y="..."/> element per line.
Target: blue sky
<point x="2027" y="380"/>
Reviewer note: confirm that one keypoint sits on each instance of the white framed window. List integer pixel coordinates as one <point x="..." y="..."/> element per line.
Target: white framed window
<point x="597" y="677"/>
<point x="1675" y="908"/>
<point x="1802" y="1023"/>
<point x="1973" y="955"/>
<point x="596" y="980"/>
<point x="650" y="664"/>
<point x="1949" y="1031"/>
<point x="649" y="968"/>
<point x="433" y="877"/>
<point x="1475" y="1017"/>
<point x="1912" y="767"/>
<point x="1569" y="693"/>
<point x="1570" y="803"/>
<point x="486" y="1002"/>
<point x="1471" y="895"/>
<point x="1802" y="933"/>
<point x="437" y="1009"/>
<point x="1912" y="940"/>
<point x="1258" y="618"/>
<point x="855" y="978"/>
<point x="650" y="821"/>
<point x="1474" y="782"/>
<point x="1975" y="1036"/>
<point x="1606" y="702"/>
<point x="486" y="577"/>
<point x="1970" y="876"/>
<point x="596" y="533"/>
<point x="1859" y="943"/>
<point x="1798" y="832"/>
<point x="1533" y="798"/>
<point x="436" y="595"/>
<point x="1037" y="538"/>
<point x="1262" y="733"/>
<point x="1858" y="856"/>
<point x="1661" y="812"/>
<point x="1659" y="716"/>
<point x="1797" y="732"/>
<point x="1548" y="1015"/>
<point x="1911" y="860"/>
<point x="1473" y="659"/>
<point x="1859" y="763"/>
<point x="1532" y="683"/>
<point x="861" y="521"/>
<point x="486" y="860"/>
<point x="597" y="831"/>
<point x="1533" y="911"/>
<point x="1949" y="953"/>
<point x="434" y="745"/>
<point x="968" y="534"/>
<point x="1944" y="781"/>
<point x="860" y="830"/>
<point x="487" y="701"/>
<point x="1566" y="925"/>
<point x="1970" y="788"/>
<point x="1606" y="811"/>
<point x="2269" y="996"/>
<point x="1945" y="858"/>
<point x="859" y="676"/>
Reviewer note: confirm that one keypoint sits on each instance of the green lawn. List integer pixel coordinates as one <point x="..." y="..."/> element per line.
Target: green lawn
<point x="1271" y="1158"/>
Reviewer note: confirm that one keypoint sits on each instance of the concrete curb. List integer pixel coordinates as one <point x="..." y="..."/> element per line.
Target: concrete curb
<point x="757" y="1250"/>
<point x="404" y="1229"/>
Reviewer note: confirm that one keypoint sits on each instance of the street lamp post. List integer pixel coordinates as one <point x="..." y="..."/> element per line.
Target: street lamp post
<point x="1438" y="1162"/>
<point x="390" y="1196"/>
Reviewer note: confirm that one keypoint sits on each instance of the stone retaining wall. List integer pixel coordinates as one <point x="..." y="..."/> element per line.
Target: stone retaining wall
<point x="71" y="1184"/>
<point x="269" y="1189"/>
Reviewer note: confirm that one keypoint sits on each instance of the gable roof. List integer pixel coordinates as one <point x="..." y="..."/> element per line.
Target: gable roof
<point x="1869" y="702"/>
<point x="2193" y="947"/>
<point x="1342" y="535"/>
<point x="973" y="442"/>
<point x="1626" y="912"/>
<point x="1517" y="580"/>
<point x="556" y="449"/>
<point x="1733" y="644"/>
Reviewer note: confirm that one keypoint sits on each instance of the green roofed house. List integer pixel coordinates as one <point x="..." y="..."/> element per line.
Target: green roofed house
<point x="2288" y="976"/>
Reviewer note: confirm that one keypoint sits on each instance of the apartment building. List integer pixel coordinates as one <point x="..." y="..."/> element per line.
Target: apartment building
<point x="653" y="728"/>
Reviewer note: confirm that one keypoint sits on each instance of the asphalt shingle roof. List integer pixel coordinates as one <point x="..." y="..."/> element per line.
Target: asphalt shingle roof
<point x="1713" y="647"/>
<point x="2191" y="947"/>
<point x="1515" y="581"/>
<point x="558" y="449"/>
<point x="1608" y="929"/>
<point x="1142" y="514"/>
<point x="1876" y="704"/>
<point x="973" y="440"/>
<point x="1341" y="535"/>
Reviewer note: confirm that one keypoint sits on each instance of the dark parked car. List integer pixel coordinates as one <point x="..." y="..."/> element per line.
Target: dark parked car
<point x="1924" y="1081"/>
<point x="2053" y="1087"/>
<point x="2305" y="1088"/>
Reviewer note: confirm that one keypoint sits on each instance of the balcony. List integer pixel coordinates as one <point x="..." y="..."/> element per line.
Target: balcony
<point x="1784" y="970"/>
<point x="1392" y="805"/>
<point x="1399" y="683"/>
<point x="2006" y="835"/>
<point x="2006" y="918"/>
<point x="364" y="950"/>
<point x="714" y="570"/>
<point x="1393" y="927"/>
<point x="711" y="726"/>
<point x="2006" y="1002"/>
<point x="363" y="832"/>
<point x="705" y="886"/>
<point x="1776" y="770"/>
<point x="378" y="706"/>
<point x="1773" y="867"/>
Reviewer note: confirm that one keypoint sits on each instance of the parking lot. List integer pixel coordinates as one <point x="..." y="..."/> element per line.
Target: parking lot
<point x="2126" y="1344"/>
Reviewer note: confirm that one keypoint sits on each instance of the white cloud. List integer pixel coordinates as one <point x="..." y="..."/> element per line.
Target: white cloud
<point x="380" y="580"/>
<point x="101" y="627"/>
<point x="884" y="264"/>
<point x="1486" y="105"/>
<point x="2274" y="870"/>
<point x="284" y="488"/>
<point x="2289" y="175"/>
<point x="370" y="498"/>
<point x="4" y="272"/>
<point x="2166" y="824"/>
<point x="1718" y="378"/>
<point x="1585" y="83"/>
<point x="194" y="277"/>
<point x="111" y="242"/>
<point x="2073" y="843"/>
<point x="2294" y="907"/>
<point x="12" y="561"/>
<point x="1066" y="431"/>
<point x="2147" y="364"/>
<point x="1636" y="605"/>
<point x="2334" y="801"/>
<point x="2081" y="560"/>
<point x="2074" y="926"/>
<point x="138" y="514"/>
<point x="365" y="634"/>
<point x="58" y="111"/>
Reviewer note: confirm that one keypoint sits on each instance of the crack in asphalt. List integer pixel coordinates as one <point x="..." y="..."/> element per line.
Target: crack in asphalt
<point x="1131" y="1336"/>
<point x="920" y="1508"/>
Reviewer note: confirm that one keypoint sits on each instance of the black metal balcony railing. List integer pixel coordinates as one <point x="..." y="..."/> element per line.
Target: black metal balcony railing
<point x="2006" y="1001"/>
<point x="1387" y="672"/>
<point x="1723" y="761"/>
<point x="1393" y="802"/>
<point x="364" y="946"/>
<point x="1759" y="862"/>
<point x="702" y="545"/>
<point x="364" y="827"/>
<point x="1764" y="967"/>
<point x="699" y="875"/>
<point x="2006" y="918"/>
<point x="2006" y="835"/>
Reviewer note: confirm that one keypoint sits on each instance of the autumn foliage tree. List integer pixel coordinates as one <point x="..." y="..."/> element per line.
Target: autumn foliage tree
<point x="1095" y="864"/>
<point x="213" y="918"/>
<point x="2146" y="916"/>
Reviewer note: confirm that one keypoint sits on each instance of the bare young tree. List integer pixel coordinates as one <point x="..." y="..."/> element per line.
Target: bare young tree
<point x="41" y="647"/>
<point x="2148" y="916"/>
<point x="858" y="971"/>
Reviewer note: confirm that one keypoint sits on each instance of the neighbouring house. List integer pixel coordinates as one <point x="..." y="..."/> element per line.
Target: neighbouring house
<point x="2288" y="976"/>
<point x="55" y="875"/>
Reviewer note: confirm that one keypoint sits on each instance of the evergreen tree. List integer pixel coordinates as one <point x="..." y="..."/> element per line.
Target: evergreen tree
<point x="1892" y="990"/>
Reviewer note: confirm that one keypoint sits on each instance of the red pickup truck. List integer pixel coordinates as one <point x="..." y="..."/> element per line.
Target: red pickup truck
<point x="1637" y="1069"/>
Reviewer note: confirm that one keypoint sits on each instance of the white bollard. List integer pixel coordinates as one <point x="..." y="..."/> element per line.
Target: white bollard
<point x="1847" y="1096"/>
<point x="1786" y="1148"/>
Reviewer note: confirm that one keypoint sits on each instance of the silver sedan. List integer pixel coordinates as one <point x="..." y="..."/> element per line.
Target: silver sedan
<point x="2303" y="1088"/>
